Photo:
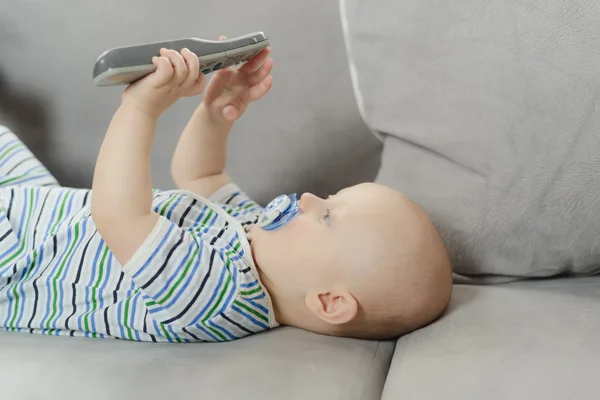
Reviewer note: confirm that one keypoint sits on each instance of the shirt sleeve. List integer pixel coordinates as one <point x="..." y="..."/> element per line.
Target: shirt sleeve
<point x="237" y="204"/>
<point x="187" y="280"/>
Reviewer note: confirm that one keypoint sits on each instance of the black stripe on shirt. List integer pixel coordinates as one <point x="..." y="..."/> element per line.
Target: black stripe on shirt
<point x="12" y="195"/>
<point x="6" y="234"/>
<point x="117" y="288"/>
<point x="186" y="212"/>
<point x="233" y="196"/>
<point x="35" y="289"/>
<point x="106" y="324"/>
<point x="77" y="277"/>
<point x="10" y="277"/>
<point x="162" y="267"/>
<point x="221" y="232"/>
<point x="195" y="298"/>
<point x="35" y="231"/>
<point x="236" y="324"/>
<point x="145" y="329"/>
<point x="192" y="335"/>
<point x="17" y="165"/>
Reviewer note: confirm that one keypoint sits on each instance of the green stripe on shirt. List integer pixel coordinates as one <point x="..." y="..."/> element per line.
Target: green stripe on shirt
<point x="58" y="276"/>
<point x="183" y="275"/>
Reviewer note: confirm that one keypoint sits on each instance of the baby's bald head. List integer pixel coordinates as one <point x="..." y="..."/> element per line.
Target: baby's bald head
<point x="375" y="270"/>
<point x="401" y="275"/>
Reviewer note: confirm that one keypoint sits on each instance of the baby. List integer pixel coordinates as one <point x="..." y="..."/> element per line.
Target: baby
<point x="204" y="262"/>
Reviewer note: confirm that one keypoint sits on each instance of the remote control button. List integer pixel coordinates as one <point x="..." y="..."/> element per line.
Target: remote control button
<point x="228" y="63"/>
<point x="207" y="71"/>
<point x="218" y="66"/>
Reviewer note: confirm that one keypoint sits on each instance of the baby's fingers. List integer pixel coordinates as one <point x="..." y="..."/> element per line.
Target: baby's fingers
<point x="196" y="88"/>
<point x="193" y="68"/>
<point x="257" y="92"/>
<point x="179" y="67"/>
<point x="255" y="62"/>
<point x="164" y="71"/>
<point x="260" y="75"/>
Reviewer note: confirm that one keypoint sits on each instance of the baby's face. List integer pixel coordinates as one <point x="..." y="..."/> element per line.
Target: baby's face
<point x="364" y="254"/>
<point x="320" y="239"/>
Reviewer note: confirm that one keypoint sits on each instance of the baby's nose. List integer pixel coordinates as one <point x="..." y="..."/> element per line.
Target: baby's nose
<point x="307" y="201"/>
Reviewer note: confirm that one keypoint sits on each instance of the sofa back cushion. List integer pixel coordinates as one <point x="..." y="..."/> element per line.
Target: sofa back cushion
<point x="490" y="116"/>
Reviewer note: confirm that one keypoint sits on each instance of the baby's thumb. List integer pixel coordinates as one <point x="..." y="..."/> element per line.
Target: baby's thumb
<point x="230" y="113"/>
<point x="164" y="71"/>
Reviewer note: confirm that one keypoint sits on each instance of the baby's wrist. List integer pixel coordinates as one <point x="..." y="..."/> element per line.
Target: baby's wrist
<point x="135" y="106"/>
<point x="213" y="116"/>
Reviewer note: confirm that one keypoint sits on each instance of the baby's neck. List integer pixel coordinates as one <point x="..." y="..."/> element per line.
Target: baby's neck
<point x="288" y="311"/>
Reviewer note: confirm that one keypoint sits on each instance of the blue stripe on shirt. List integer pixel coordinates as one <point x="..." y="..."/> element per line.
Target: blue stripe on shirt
<point x="191" y="276"/>
<point x="173" y="207"/>
<point x="222" y="329"/>
<point x="61" y="293"/>
<point x="88" y="300"/>
<point x="207" y="332"/>
<point x="232" y="290"/>
<point x="8" y="144"/>
<point x="212" y="297"/>
<point x="132" y="323"/>
<point x="49" y="282"/>
<point x="248" y="285"/>
<point x="249" y="317"/>
<point x="156" y="251"/>
<point x="176" y="273"/>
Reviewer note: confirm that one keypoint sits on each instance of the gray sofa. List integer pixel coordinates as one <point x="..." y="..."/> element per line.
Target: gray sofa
<point x="416" y="95"/>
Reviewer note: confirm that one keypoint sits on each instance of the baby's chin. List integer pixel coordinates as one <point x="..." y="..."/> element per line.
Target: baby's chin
<point x="257" y="240"/>
<point x="258" y="234"/>
<point x="255" y="228"/>
<point x="255" y="236"/>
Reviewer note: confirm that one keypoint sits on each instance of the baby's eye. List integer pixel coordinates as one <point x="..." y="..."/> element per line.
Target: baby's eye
<point x="326" y="216"/>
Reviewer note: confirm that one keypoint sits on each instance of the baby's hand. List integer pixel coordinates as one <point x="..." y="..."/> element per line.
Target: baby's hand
<point x="231" y="90"/>
<point x="177" y="75"/>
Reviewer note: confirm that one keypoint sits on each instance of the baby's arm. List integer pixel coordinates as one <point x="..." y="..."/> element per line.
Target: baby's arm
<point x="201" y="154"/>
<point x="122" y="187"/>
<point x="200" y="157"/>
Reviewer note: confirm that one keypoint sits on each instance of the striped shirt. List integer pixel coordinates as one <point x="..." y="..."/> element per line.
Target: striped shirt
<point x="193" y="279"/>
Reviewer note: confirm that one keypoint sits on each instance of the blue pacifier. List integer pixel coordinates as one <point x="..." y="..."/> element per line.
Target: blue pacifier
<point x="278" y="212"/>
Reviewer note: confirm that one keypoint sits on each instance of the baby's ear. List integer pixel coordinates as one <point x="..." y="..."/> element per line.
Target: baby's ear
<point x="335" y="307"/>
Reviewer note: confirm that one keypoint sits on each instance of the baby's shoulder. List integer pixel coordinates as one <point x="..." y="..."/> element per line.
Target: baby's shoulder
<point x="187" y="209"/>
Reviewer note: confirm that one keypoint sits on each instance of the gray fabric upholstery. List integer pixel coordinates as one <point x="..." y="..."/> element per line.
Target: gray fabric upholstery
<point x="525" y="340"/>
<point x="305" y="135"/>
<point x="285" y="363"/>
<point x="491" y="116"/>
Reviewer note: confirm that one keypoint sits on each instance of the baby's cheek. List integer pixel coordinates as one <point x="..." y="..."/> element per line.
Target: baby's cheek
<point x="298" y="225"/>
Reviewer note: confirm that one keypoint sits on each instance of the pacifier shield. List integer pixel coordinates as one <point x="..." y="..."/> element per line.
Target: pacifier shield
<point x="279" y="211"/>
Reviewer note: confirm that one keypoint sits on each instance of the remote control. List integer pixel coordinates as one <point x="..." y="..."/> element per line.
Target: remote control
<point x="123" y="65"/>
